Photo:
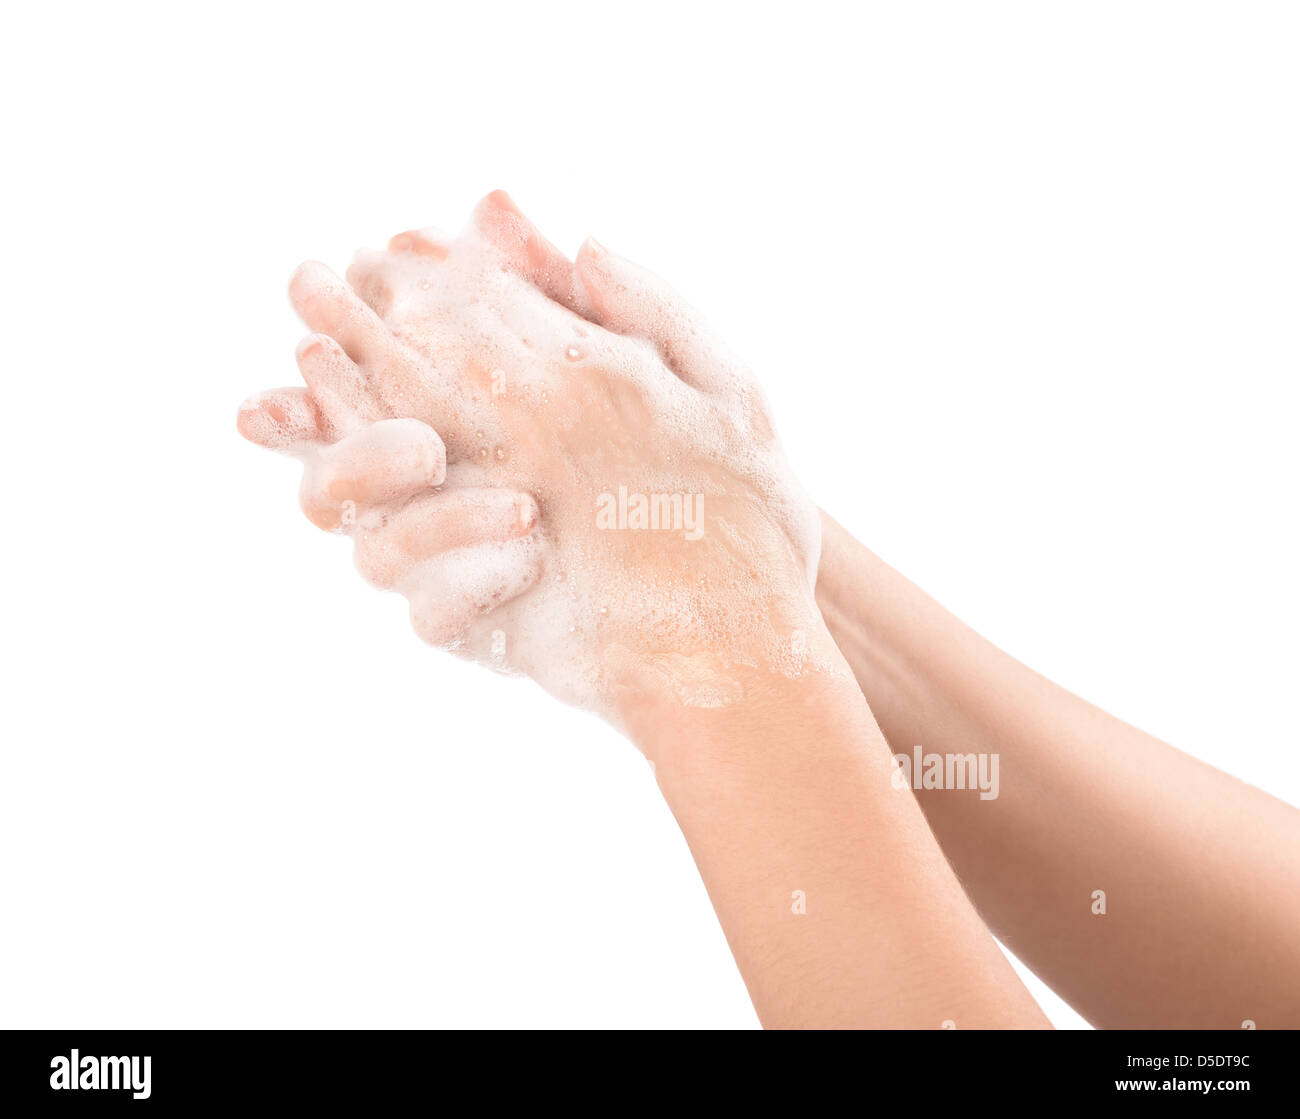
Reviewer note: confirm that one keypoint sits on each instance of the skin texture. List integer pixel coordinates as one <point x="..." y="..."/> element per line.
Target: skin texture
<point x="1201" y="872"/>
<point x="838" y="905"/>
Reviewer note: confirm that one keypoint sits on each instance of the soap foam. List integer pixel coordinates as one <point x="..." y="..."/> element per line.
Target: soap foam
<point x="552" y="404"/>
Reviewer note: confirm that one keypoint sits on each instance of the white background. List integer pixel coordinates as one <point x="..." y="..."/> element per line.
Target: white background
<point x="1020" y="279"/>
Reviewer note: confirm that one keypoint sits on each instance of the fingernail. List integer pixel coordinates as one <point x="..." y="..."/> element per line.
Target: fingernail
<point x="311" y="342"/>
<point x="595" y="248"/>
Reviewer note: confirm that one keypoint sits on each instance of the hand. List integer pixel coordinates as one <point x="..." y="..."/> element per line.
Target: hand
<point x="622" y="417"/>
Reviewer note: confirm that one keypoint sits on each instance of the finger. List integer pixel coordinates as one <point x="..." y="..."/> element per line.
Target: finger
<point x="388" y="281"/>
<point x="282" y="420"/>
<point x="337" y="385"/>
<point x="451" y="590"/>
<point x="328" y="306"/>
<point x="428" y="242"/>
<point x="395" y="375"/>
<point x="433" y="523"/>
<point x="388" y="461"/>
<point x="528" y="253"/>
<point x="628" y="299"/>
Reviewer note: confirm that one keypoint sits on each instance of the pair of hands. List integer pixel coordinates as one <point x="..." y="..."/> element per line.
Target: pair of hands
<point x="518" y="443"/>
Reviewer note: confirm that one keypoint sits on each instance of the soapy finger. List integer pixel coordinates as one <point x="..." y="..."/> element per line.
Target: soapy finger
<point x="384" y="463"/>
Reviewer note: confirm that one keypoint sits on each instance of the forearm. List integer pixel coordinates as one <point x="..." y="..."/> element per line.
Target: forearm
<point x="1201" y="873"/>
<point x="837" y="903"/>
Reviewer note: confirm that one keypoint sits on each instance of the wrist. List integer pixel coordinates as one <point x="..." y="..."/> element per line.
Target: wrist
<point x="708" y="710"/>
<point x="839" y="571"/>
<point x="854" y="588"/>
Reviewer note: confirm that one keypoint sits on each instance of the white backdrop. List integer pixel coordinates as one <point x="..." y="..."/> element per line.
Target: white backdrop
<point x="1020" y="280"/>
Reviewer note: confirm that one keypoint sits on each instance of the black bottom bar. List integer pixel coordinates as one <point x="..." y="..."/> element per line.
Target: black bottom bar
<point x="377" y="1068"/>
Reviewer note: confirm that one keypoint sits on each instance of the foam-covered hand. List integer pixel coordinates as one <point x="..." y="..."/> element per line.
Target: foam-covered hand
<point x="672" y="546"/>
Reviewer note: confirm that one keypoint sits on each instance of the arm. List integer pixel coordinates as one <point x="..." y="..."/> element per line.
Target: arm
<point x="786" y="801"/>
<point x="699" y="636"/>
<point x="835" y="898"/>
<point x="1200" y="872"/>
